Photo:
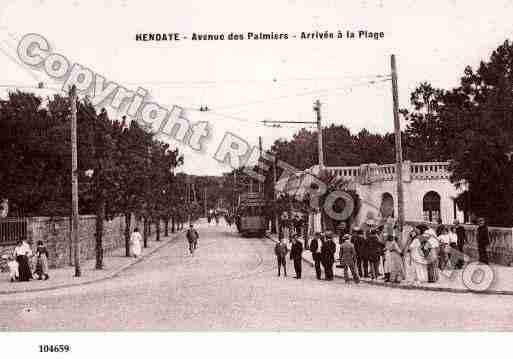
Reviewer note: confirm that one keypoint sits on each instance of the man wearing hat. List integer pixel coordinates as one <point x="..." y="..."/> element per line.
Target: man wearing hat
<point x="281" y="250"/>
<point x="328" y="251"/>
<point x="348" y="254"/>
<point x="296" y="255"/>
<point x="315" y="248"/>
<point x="357" y="240"/>
<point x="374" y="251"/>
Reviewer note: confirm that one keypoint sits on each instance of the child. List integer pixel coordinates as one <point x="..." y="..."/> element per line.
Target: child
<point x="13" y="268"/>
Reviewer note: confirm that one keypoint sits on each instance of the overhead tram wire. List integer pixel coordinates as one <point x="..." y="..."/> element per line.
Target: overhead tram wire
<point x="188" y="83"/>
<point x="306" y="93"/>
<point x="241" y="119"/>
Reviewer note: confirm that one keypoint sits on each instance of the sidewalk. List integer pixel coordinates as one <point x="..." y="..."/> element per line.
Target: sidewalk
<point x="114" y="263"/>
<point x="449" y="281"/>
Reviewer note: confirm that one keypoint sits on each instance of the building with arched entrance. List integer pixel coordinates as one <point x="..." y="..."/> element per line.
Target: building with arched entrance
<point x="429" y="195"/>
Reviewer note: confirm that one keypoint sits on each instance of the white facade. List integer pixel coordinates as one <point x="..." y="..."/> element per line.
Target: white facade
<point x="428" y="192"/>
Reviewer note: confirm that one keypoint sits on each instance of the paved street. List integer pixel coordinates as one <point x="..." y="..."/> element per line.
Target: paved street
<point x="231" y="284"/>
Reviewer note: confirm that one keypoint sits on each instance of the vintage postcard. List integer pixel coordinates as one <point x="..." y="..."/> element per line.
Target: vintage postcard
<point x="285" y="165"/>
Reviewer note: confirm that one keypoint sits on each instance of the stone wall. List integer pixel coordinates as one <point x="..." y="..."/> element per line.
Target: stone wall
<point x="55" y="233"/>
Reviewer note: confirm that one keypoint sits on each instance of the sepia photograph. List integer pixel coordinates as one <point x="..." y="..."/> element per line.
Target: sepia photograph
<point x="265" y="166"/>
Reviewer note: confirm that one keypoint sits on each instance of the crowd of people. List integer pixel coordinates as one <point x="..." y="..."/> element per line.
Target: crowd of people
<point x="25" y="264"/>
<point x="379" y="252"/>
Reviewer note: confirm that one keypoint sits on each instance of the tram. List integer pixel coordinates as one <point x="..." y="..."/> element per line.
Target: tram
<point x="250" y="215"/>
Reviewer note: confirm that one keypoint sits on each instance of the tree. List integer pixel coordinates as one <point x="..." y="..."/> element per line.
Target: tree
<point x="482" y="157"/>
<point x="472" y="126"/>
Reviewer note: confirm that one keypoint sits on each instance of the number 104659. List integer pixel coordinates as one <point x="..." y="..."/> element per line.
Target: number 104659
<point x="61" y="348"/>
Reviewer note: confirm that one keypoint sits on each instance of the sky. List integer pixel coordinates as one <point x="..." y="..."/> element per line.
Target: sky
<point x="247" y="82"/>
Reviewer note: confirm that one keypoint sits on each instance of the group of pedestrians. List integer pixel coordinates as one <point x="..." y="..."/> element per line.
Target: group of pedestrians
<point x="213" y="214"/>
<point x="25" y="264"/>
<point x="323" y="252"/>
<point x="417" y="258"/>
<point x="290" y="224"/>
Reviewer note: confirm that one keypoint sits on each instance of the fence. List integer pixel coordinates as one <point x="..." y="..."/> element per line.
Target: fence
<point x="12" y="229"/>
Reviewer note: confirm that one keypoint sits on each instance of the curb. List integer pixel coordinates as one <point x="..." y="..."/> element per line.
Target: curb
<point x="415" y="287"/>
<point x="115" y="273"/>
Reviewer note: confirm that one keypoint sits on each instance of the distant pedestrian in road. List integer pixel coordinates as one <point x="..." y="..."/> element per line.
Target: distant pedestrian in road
<point x="135" y="243"/>
<point x="284" y="225"/>
<point x="192" y="237"/>
<point x="348" y="258"/>
<point x="315" y="248"/>
<point x="328" y="251"/>
<point x="281" y="250"/>
<point x="41" y="261"/>
<point x="296" y="252"/>
<point x="483" y="240"/>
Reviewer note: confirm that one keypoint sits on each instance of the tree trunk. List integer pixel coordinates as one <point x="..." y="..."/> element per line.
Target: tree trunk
<point x="173" y="228"/>
<point x="128" y="220"/>
<point x="166" y="228"/>
<point x="145" y="232"/>
<point x="158" y="230"/>
<point x="100" y="216"/>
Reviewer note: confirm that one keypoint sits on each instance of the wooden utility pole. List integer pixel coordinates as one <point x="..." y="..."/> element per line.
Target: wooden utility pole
<point x="260" y="186"/>
<point x="98" y="154"/>
<point x="274" y="227"/>
<point x="235" y="204"/>
<point x="74" y="182"/>
<point x="205" y="200"/>
<point x="398" y="147"/>
<point x="317" y="109"/>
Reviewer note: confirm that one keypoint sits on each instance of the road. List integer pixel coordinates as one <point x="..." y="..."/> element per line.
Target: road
<point x="231" y="284"/>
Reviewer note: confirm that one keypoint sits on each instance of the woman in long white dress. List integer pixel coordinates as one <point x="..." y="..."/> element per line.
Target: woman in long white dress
<point x="418" y="259"/>
<point x="409" y="235"/>
<point x="135" y="243"/>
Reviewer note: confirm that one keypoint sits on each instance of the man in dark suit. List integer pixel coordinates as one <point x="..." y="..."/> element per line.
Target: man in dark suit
<point x="348" y="254"/>
<point x="375" y="249"/>
<point x="315" y="248"/>
<point x="364" y="256"/>
<point x="462" y="240"/>
<point x="483" y="240"/>
<point x="357" y="240"/>
<point x="328" y="250"/>
<point x="281" y="250"/>
<point x="295" y="255"/>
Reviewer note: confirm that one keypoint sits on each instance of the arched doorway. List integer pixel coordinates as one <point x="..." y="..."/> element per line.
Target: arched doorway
<point x="387" y="205"/>
<point x="431" y="206"/>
